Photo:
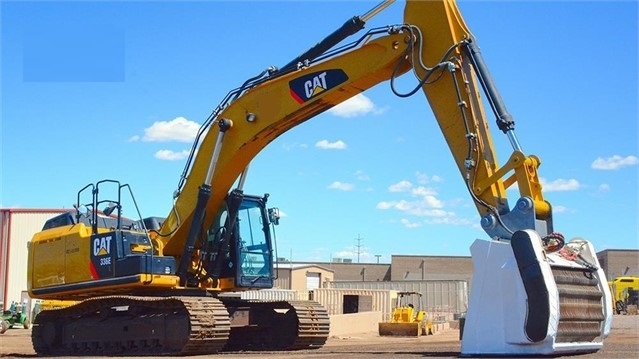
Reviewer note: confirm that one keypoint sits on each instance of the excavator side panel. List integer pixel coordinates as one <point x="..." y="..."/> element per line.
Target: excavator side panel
<point x="71" y="263"/>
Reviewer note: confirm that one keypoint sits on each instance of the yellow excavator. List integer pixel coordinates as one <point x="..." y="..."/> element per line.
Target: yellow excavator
<point x="157" y="285"/>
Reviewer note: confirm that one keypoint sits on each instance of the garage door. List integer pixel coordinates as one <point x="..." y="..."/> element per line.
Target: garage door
<point x="312" y="280"/>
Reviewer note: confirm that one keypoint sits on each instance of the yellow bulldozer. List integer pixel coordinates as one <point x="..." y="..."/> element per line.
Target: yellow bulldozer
<point x="408" y="318"/>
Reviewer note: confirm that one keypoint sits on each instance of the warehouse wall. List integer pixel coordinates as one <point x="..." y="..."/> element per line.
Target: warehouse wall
<point x="283" y="280"/>
<point x="356" y="300"/>
<point x="619" y="262"/>
<point x="17" y="226"/>
<point x="405" y="267"/>
<point x="438" y="296"/>
<point x="295" y="276"/>
<point x="360" y="271"/>
<point x="299" y="277"/>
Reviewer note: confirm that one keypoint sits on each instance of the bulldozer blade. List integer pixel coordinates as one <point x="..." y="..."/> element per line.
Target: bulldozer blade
<point x="400" y="329"/>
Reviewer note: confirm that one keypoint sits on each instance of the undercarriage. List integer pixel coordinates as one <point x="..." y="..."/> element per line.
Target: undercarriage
<point x="119" y="325"/>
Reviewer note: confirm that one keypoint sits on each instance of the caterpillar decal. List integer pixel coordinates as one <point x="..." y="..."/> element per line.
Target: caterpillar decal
<point x="310" y="85"/>
<point x="101" y="265"/>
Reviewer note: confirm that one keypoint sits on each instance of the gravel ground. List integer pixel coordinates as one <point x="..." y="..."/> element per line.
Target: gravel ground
<point x="623" y="342"/>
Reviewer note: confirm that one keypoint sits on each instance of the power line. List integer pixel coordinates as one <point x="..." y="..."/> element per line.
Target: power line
<point x="359" y="246"/>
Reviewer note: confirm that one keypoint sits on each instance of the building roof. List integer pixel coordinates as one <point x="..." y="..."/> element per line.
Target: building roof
<point x="618" y="250"/>
<point x="301" y="266"/>
<point x="426" y="256"/>
<point x="35" y="210"/>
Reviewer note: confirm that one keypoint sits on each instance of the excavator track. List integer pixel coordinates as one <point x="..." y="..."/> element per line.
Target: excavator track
<point x="126" y="325"/>
<point x="276" y="325"/>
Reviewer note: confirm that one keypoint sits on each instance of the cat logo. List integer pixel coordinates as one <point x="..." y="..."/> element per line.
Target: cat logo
<point x="102" y="246"/>
<point x="311" y="85"/>
<point x="316" y="85"/>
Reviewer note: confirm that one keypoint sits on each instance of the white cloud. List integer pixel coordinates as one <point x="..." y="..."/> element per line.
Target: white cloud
<point x="614" y="163"/>
<point x="560" y="185"/>
<point x="357" y="105"/>
<point x="179" y="129"/>
<point x="364" y="256"/>
<point x="604" y="187"/>
<point x="325" y="145"/>
<point x="423" y="178"/>
<point x="385" y="205"/>
<point x="341" y="186"/>
<point x="559" y="209"/>
<point x="401" y="186"/>
<point x="437" y="213"/>
<point x="292" y="146"/>
<point x="450" y="218"/>
<point x="433" y="216"/>
<point x="403" y="205"/>
<point x="427" y="207"/>
<point x="360" y="175"/>
<point x="169" y="155"/>
<point x="432" y="202"/>
<point x="422" y="202"/>
<point x="408" y="224"/>
<point x="423" y="191"/>
<point x="427" y="204"/>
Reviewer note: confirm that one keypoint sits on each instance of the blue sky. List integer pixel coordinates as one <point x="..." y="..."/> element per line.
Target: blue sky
<point x="117" y="90"/>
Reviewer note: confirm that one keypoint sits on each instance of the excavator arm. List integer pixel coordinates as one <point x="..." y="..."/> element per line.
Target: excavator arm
<point x="452" y="85"/>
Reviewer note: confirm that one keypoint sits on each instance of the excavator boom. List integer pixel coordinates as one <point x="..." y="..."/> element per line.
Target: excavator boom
<point x="269" y="109"/>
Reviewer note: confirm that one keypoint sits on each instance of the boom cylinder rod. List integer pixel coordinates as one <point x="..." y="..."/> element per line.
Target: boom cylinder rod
<point x="376" y="10"/>
<point x="505" y="121"/>
<point x="240" y="185"/>
<point x="349" y="28"/>
<point x="513" y="140"/>
<point x="224" y="125"/>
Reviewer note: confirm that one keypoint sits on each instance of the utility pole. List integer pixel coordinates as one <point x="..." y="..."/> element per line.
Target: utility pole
<point x="358" y="246"/>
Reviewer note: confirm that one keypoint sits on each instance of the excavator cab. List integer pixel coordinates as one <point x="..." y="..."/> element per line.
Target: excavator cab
<point x="242" y="248"/>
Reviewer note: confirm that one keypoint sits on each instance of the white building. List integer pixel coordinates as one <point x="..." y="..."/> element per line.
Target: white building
<point x="17" y="227"/>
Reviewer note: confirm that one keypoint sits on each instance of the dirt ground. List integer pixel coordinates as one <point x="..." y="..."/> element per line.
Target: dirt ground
<point x="623" y="342"/>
